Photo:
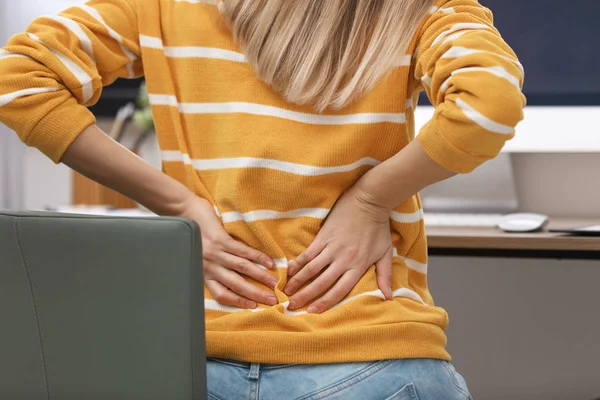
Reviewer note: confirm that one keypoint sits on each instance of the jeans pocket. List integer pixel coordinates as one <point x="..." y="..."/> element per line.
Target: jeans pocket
<point x="408" y="392"/>
<point x="356" y="379"/>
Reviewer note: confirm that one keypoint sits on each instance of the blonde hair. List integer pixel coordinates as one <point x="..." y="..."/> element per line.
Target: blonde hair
<point x="325" y="53"/>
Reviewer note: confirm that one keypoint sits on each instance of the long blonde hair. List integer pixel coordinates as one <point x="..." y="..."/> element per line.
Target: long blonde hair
<point x="325" y="53"/>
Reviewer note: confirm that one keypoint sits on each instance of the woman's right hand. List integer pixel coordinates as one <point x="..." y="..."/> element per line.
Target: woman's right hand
<point x="227" y="261"/>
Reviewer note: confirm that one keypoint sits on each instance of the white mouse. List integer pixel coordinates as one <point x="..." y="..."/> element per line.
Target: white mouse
<point x="523" y="222"/>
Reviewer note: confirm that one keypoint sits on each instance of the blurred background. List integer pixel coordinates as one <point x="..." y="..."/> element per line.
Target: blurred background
<point x="533" y="331"/>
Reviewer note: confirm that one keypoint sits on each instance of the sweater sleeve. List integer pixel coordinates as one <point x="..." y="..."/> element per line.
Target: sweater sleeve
<point x="50" y="74"/>
<point x="473" y="79"/>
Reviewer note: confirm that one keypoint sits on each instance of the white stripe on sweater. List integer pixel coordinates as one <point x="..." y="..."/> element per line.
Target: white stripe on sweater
<point x="482" y="120"/>
<point x="456" y="28"/>
<point x="445" y="85"/>
<point x="415" y="265"/>
<point x="456" y="36"/>
<point x="204" y="52"/>
<point x="113" y="34"/>
<point x="249" y="162"/>
<point x="75" y="28"/>
<point x="448" y="10"/>
<point x="281" y="263"/>
<point x="407" y="218"/>
<point x="498" y="71"/>
<point x="261" y="215"/>
<point x="7" y="54"/>
<point x="459" y="51"/>
<point x="9" y="97"/>
<point x="319" y="213"/>
<point x="84" y="79"/>
<point x="410" y="263"/>
<point x="191" y="52"/>
<point x="163" y="100"/>
<point x="270" y="111"/>
<point x="151" y="42"/>
<point x="426" y="79"/>
<point x="402" y="292"/>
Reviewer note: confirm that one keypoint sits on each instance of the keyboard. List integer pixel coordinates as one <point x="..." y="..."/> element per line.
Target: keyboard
<point x="462" y="220"/>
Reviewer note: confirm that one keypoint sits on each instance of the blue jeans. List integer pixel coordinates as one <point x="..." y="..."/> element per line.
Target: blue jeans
<point x="406" y="379"/>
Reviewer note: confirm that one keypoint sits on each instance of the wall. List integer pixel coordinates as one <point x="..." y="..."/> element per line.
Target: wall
<point x="11" y="153"/>
<point x="48" y="185"/>
<point x="522" y="329"/>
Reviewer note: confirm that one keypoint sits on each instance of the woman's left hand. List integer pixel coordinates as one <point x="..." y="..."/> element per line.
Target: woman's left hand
<point x="355" y="235"/>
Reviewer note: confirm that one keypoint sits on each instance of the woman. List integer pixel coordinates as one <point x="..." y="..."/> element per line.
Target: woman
<point x="286" y="129"/>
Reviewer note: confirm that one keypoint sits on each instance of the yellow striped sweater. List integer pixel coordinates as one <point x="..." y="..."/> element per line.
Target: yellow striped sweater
<point x="273" y="170"/>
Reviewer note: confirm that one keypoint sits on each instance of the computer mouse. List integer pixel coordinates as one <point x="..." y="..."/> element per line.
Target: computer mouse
<point x="523" y="222"/>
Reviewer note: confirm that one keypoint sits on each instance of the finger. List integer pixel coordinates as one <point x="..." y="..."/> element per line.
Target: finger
<point x="241" y="250"/>
<point x="337" y="293"/>
<point x="245" y="267"/>
<point x="226" y="297"/>
<point x="316" y="247"/>
<point x="383" y="268"/>
<point x="240" y="286"/>
<point x="308" y="272"/>
<point x="317" y="287"/>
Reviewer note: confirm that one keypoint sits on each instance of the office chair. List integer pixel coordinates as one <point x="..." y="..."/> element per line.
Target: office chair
<point x="100" y="308"/>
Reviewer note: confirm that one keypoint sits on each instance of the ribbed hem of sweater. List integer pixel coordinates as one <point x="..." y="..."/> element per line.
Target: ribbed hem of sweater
<point x="367" y="343"/>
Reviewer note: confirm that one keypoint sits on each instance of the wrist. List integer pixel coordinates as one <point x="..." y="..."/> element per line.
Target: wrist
<point x="369" y="205"/>
<point x="374" y="194"/>
<point x="181" y="205"/>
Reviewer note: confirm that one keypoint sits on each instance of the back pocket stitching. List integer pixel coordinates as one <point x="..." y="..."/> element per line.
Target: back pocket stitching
<point x="413" y="392"/>
<point x="348" y="382"/>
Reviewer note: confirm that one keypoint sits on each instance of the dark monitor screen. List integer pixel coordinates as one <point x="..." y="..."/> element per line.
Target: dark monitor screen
<point x="558" y="43"/>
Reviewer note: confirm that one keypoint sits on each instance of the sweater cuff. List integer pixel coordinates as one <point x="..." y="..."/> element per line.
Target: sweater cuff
<point x="442" y="151"/>
<point x="57" y="130"/>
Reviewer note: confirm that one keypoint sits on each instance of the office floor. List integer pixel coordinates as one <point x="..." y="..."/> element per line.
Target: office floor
<point x="522" y="329"/>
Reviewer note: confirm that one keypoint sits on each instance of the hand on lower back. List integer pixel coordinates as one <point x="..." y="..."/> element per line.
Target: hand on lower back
<point x="226" y="261"/>
<point x="355" y="235"/>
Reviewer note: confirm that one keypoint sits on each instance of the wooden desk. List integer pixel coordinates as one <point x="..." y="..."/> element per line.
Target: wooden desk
<point x="492" y="242"/>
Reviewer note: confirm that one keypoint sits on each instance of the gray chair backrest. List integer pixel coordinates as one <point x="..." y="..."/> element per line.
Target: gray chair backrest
<point x="100" y="308"/>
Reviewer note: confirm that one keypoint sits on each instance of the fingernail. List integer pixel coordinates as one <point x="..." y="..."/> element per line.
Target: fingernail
<point x="288" y="291"/>
<point x="292" y="305"/>
<point x="270" y="263"/>
<point x="272" y="300"/>
<point x="251" y="304"/>
<point x="273" y="283"/>
<point x="312" y="310"/>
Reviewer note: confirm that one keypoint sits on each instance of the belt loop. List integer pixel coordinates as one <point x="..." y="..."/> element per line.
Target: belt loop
<point x="254" y="371"/>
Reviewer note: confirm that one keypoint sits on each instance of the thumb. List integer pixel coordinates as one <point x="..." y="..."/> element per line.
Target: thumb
<point x="383" y="268"/>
